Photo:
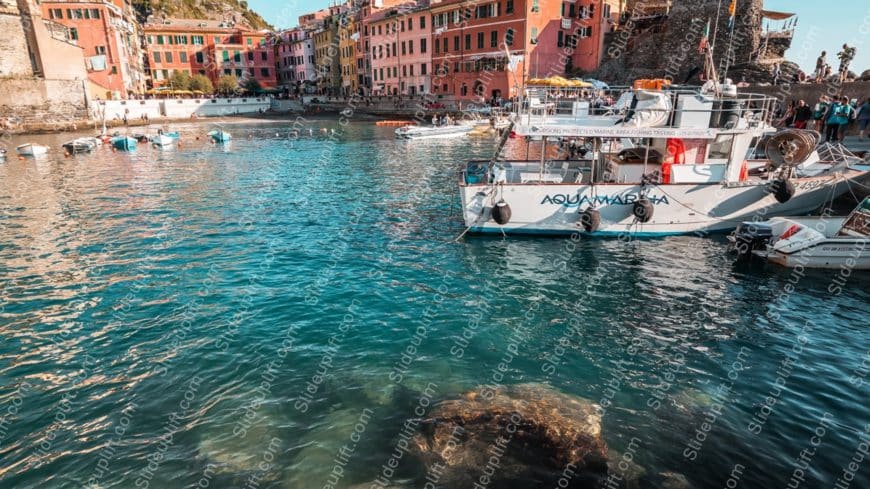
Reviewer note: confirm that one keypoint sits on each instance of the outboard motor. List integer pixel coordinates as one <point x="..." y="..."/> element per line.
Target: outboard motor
<point x="750" y="236"/>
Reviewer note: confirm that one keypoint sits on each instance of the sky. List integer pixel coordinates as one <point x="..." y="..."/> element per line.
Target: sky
<point x="822" y="25"/>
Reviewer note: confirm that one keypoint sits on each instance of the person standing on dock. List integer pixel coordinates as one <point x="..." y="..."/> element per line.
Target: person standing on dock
<point x="864" y="118"/>
<point x="846" y="56"/>
<point x="820" y="112"/>
<point x="821" y="62"/>
<point x="838" y="117"/>
<point x="802" y="115"/>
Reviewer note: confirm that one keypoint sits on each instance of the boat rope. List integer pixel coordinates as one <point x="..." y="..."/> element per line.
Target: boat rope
<point x="476" y="220"/>
<point x="849" y="186"/>
<point x="687" y="206"/>
<point x="856" y="183"/>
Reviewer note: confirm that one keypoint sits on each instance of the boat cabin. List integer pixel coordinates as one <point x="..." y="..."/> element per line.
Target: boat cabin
<point x="668" y="136"/>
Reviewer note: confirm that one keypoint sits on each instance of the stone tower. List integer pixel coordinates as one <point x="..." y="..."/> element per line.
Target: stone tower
<point x="660" y="39"/>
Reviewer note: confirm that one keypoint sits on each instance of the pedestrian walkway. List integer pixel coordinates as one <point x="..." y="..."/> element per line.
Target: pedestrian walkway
<point x="857" y="145"/>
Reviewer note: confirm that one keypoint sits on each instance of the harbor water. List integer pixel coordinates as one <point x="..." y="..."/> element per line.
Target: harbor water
<point x="270" y="313"/>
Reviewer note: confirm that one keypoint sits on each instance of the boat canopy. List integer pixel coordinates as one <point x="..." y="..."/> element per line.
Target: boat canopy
<point x="774" y="15"/>
<point x="558" y="81"/>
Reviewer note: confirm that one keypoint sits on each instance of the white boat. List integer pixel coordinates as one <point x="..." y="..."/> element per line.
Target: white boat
<point x="2" y="154"/>
<point x="81" y="145"/>
<point x="163" y="140"/>
<point x="809" y="242"/>
<point x="434" y="132"/>
<point x="677" y="161"/>
<point x="31" y="149"/>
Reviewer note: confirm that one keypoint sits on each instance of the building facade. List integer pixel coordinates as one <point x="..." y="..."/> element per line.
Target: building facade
<point x="471" y="41"/>
<point x="209" y="48"/>
<point x="348" y="35"/>
<point x="109" y="35"/>
<point x="295" y="58"/>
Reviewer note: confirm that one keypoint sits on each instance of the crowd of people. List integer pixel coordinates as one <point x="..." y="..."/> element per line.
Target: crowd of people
<point x="833" y="117"/>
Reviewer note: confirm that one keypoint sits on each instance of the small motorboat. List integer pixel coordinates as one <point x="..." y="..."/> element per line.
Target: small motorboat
<point x="31" y="149"/>
<point x="165" y="138"/>
<point x="123" y="143"/>
<point x="809" y="242"/>
<point x="80" y="145"/>
<point x="219" y="136"/>
<point x="434" y="132"/>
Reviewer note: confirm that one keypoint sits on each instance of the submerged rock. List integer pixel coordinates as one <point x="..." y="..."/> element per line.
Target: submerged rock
<point x="520" y="436"/>
<point x="674" y="480"/>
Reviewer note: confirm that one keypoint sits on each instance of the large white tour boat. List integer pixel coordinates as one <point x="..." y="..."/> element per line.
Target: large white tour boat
<point x="656" y="162"/>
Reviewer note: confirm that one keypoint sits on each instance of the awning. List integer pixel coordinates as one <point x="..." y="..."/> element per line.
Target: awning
<point x="773" y="15"/>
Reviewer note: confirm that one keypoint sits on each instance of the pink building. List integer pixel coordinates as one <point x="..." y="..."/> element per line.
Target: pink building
<point x="399" y="49"/>
<point x="415" y="52"/>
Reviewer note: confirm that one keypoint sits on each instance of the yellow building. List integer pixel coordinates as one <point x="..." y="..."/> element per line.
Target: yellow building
<point x="327" y="56"/>
<point x="348" y="34"/>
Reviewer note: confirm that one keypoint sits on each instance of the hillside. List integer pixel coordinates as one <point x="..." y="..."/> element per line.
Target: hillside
<point x="235" y="10"/>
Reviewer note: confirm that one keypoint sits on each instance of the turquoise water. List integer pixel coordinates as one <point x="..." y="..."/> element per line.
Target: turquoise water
<point x="228" y="316"/>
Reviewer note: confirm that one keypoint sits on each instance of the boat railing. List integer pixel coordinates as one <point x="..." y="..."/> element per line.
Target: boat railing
<point x="517" y="172"/>
<point x="688" y="106"/>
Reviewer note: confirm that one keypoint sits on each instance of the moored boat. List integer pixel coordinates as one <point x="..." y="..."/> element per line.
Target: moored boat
<point x="80" y="145"/>
<point x="123" y="143"/>
<point x="165" y="138"/>
<point x="2" y="154"/>
<point x="677" y="162"/>
<point x="809" y="242"/>
<point x="31" y="149"/>
<point x="434" y="132"/>
<point x="220" y="136"/>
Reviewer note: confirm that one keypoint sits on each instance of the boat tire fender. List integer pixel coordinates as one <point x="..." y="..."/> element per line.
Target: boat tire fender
<point x="643" y="210"/>
<point x="501" y="213"/>
<point x="590" y="219"/>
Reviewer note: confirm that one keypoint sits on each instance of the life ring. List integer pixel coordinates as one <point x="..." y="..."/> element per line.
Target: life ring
<point x="501" y="213"/>
<point x="643" y="210"/>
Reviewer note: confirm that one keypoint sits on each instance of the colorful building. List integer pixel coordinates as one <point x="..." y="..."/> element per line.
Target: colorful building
<point x="108" y="33"/>
<point x="370" y="10"/>
<point x="348" y="35"/>
<point x="209" y="48"/>
<point x="295" y="58"/>
<point x="327" y="56"/>
<point x="472" y="38"/>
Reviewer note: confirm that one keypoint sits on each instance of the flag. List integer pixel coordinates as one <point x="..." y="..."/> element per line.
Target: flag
<point x="705" y="38"/>
<point x="732" y="10"/>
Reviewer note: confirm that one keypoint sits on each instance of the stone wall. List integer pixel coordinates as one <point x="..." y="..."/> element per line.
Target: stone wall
<point x="669" y="49"/>
<point x="810" y="92"/>
<point x="15" y="58"/>
<point x="30" y="104"/>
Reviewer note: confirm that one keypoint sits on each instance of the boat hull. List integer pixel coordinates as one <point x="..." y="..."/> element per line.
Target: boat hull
<point x="124" y="143"/>
<point x="434" y="132"/>
<point x="832" y="253"/>
<point x="556" y="209"/>
<point x="163" y="140"/>
<point x="31" y="150"/>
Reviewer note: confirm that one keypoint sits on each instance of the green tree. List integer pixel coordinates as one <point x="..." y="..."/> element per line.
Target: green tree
<point x="201" y="83"/>
<point x="180" y="80"/>
<point x="252" y="85"/>
<point x="227" y="84"/>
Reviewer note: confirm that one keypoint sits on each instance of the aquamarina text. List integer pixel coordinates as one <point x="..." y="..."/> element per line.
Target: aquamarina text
<point x="578" y="200"/>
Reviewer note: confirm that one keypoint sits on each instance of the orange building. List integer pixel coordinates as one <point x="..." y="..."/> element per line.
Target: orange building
<point x="108" y="34"/>
<point x="471" y="38"/>
<point x="210" y="48"/>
